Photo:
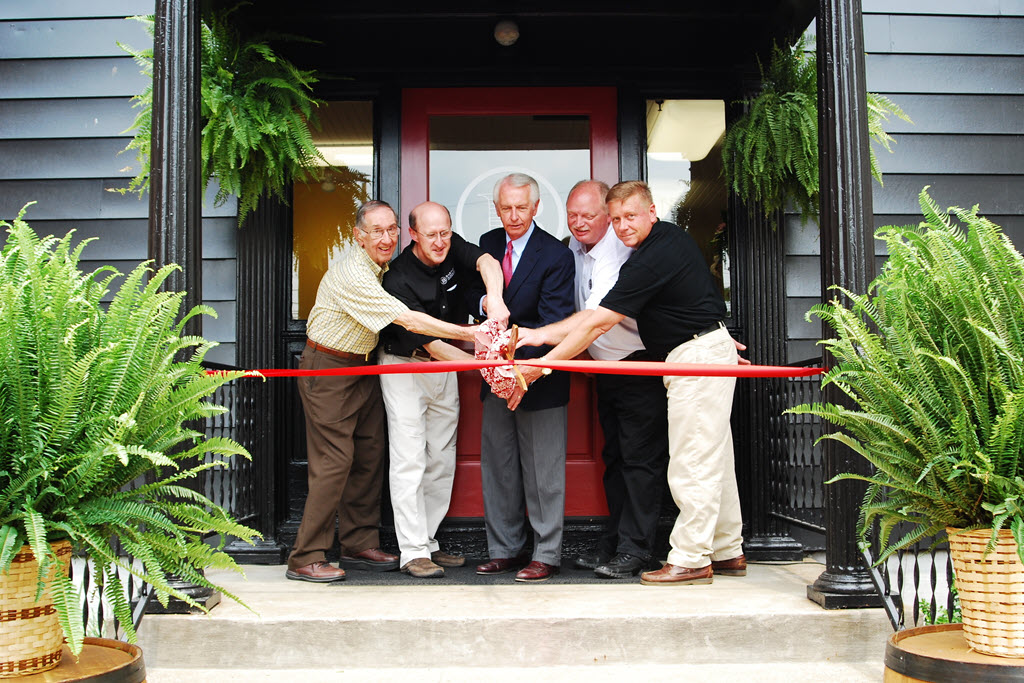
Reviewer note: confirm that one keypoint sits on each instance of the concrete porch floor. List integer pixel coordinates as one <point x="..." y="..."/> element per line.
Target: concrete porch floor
<point x="760" y="628"/>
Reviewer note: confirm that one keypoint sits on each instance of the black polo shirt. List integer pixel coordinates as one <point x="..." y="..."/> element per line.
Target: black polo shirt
<point x="667" y="286"/>
<point x="440" y="291"/>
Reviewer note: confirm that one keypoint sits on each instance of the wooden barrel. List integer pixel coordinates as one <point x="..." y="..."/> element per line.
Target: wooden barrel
<point x="102" y="661"/>
<point x="940" y="654"/>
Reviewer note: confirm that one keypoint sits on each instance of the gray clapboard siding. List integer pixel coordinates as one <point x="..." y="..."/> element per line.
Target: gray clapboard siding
<point x="78" y="199"/>
<point x="56" y="119"/>
<point x="959" y="114"/>
<point x="65" y="38"/>
<point x="1006" y="8"/>
<point x="68" y="158"/>
<point x="69" y="78"/>
<point x="990" y="154"/>
<point x="887" y="73"/>
<point x="938" y="34"/>
<point x="71" y="9"/>
<point x="997" y="195"/>
<point x="128" y="238"/>
<point x="219" y="273"/>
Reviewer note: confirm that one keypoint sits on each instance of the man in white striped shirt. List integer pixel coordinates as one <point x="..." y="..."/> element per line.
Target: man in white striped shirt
<point x="631" y="409"/>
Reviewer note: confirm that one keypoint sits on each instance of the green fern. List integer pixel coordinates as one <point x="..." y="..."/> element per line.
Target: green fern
<point x="933" y="359"/>
<point x="93" y="396"/>
<point x="257" y="109"/>
<point x="770" y="154"/>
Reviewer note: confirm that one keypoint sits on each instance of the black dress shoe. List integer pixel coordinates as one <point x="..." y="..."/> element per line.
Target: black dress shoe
<point x="622" y="566"/>
<point x="591" y="560"/>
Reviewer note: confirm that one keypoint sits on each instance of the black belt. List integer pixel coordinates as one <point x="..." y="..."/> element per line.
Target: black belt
<point x="709" y="329"/>
<point x="418" y="353"/>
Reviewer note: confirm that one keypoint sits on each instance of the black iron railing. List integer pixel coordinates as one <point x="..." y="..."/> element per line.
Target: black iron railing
<point x="796" y="474"/>
<point x="916" y="585"/>
<point x="232" y="487"/>
<point x="100" y="620"/>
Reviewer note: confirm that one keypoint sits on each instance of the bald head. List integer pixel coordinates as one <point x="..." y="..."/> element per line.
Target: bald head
<point x="430" y="227"/>
<point x="586" y="212"/>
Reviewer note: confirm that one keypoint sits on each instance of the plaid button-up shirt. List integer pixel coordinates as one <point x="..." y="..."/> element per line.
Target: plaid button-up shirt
<point x="351" y="306"/>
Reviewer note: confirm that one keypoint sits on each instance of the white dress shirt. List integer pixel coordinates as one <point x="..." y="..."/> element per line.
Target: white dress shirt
<point x="596" y="272"/>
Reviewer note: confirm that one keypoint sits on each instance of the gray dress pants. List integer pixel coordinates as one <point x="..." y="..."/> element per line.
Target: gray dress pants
<point x="522" y="466"/>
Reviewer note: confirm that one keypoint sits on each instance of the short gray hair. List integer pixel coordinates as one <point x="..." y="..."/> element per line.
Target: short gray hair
<point x="602" y="187"/>
<point x="367" y="208"/>
<point x="518" y="180"/>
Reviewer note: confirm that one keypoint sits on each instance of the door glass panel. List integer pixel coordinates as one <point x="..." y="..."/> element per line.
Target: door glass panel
<point x="684" y="170"/>
<point x="468" y="154"/>
<point x="324" y="211"/>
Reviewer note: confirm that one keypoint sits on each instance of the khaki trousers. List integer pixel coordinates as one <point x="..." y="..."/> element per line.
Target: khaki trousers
<point x="701" y="470"/>
<point x="345" y="446"/>
<point x="423" y="415"/>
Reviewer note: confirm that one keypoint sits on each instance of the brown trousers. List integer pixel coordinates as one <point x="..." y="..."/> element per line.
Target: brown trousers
<point x="346" y="445"/>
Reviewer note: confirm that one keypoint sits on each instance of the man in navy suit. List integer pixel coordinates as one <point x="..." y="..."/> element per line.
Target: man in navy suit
<point x="522" y="453"/>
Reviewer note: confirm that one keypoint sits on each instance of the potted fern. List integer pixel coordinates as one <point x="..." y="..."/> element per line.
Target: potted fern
<point x="932" y="360"/>
<point x="95" y="440"/>
<point x="770" y="154"/>
<point x="257" y="109"/>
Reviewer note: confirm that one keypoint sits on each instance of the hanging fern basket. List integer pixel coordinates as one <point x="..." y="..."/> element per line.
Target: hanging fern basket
<point x="991" y="589"/>
<point x="31" y="639"/>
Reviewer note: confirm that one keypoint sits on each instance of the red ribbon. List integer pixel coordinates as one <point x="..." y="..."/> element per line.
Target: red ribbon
<point x="599" y="367"/>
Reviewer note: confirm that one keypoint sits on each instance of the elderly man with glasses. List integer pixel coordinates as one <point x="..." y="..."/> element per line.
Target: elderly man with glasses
<point x="433" y="275"/>
<point x="345" y="413"/>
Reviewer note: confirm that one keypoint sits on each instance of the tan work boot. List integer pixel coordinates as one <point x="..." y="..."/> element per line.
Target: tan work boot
<point x="445" y="560"/>
<point x="422" y="568"/>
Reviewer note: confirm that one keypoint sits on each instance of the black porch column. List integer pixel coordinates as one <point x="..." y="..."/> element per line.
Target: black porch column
<point x="263" y="257"/>
<point x="175" y="193"/>
<point x="847" y="259"/>
<point x="756" y="244"/>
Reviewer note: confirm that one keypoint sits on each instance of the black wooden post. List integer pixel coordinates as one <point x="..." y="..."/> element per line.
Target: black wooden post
<point x="262" y="251"/>
<point x="756" y="243"/>
<point x="175" y="193"/>
<point x="847" y="259"/>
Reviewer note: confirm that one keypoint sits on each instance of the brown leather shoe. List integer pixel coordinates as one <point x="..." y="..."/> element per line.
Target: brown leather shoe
<point x="318" y="572"/>
<point x="536" y="571"/>
<point x="499" y="565"/>
<point x="371" y="559"/>
<point x="671" y="575"/>
<point x="445" y="560"/>
<point x="737" y="566"/>
<point x="422" y="568"/>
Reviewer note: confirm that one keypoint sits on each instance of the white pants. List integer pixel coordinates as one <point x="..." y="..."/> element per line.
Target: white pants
<point x="701" y="471"/>
<point x="423" y="414"/>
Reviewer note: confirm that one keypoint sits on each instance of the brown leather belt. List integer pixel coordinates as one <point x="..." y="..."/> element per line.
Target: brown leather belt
<point x="334" y="352"/>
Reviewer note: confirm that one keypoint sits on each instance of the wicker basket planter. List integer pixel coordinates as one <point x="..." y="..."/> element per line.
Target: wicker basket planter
<point x="991" y="591"/>
<point x="30" y="635"/>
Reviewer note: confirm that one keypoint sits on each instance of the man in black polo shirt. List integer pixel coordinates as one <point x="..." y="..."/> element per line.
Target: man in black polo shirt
<point x="668" y="288"/>
<point x="432" y="275"/>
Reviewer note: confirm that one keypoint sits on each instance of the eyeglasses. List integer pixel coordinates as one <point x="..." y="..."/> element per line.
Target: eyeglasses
<point x="378" y="233"/>
<point x="443" y="234"/>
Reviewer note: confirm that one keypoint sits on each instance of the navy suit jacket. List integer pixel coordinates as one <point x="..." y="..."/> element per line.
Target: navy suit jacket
<point x="540" y="293"/>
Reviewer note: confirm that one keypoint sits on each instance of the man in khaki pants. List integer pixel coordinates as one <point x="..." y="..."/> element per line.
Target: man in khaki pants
<point x="668" y="288"/>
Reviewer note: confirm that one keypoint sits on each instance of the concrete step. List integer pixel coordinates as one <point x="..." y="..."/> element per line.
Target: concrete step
<point x="761" y="623"/>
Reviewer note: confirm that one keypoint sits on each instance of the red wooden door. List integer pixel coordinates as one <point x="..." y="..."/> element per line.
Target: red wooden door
<point x="456" y="142"/>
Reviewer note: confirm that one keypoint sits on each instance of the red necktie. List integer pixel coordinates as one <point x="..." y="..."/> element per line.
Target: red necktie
<point x="506" y="263"/>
